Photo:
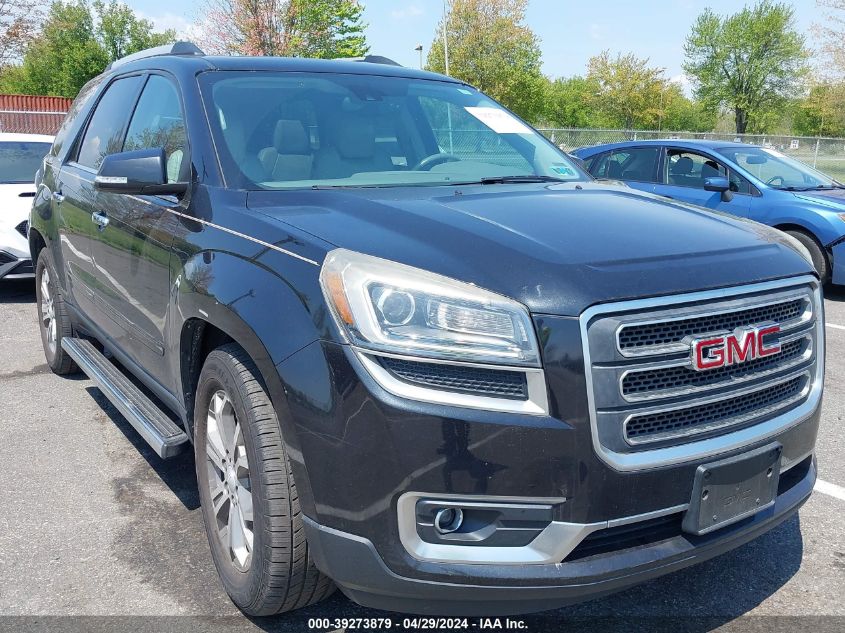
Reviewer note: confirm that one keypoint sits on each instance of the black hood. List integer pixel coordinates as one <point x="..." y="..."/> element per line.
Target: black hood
<point x="558" y="249"/>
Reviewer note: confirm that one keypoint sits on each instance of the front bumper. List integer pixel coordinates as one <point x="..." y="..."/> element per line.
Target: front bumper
<point x="837" y="261"/>
<point x="361" y="573"/>
<point x="15" y="262"/>
<point x="12" y="267"/>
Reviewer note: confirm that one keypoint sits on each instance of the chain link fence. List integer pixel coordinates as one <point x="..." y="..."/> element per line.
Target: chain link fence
<point x="29" y="122"/>
<point x="825" y="154"/>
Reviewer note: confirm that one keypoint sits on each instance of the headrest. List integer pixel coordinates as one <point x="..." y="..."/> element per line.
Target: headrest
<point x="290" y="137"/>
<point x="355" y="136"/>
<point x="683" y="166"/>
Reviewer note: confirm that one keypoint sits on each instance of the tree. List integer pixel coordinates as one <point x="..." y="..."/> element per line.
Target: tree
<point x="681" y="114"/>
<point x="288" y="28"/>
<point x="77" y="42"/>
<point x="822" y="111"/>
<point x="832" y="35"/>
<point x="629" y="90"/>
<point x="752" y="62"/>
<point x="19" y="20"/>
<point x="572" y="103"/>
<point x="491" y="48"/>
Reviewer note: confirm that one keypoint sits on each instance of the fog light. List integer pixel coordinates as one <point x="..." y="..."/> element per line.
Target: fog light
<point x="448" y="520"/>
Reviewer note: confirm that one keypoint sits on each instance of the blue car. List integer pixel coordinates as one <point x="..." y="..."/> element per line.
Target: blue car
<point x="745" y="180"/>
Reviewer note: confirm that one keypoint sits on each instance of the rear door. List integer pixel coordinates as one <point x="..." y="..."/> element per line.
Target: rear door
<point x="636" y="166"/>
<point x="131" y="255"/>
<point x="683" y="172"/>
<point x="74" y="194"/>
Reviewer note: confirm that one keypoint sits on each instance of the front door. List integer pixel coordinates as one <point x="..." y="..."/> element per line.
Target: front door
<point x="683" y="174"/>
<point x="73" y="198"/>
<point x="132" y="255"/>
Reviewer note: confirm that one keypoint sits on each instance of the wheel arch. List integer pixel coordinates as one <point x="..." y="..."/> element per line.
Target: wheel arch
<point x="228" y="299"/>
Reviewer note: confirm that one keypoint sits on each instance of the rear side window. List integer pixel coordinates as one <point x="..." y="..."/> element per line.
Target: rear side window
<point x="76" y="107"/>
<point x="637" y="164"/>
<point x="104" y="135"/>
<point x="158" y="122"/>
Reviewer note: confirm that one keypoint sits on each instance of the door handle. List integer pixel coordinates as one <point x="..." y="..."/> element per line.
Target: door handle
<point x="100" y="219"/>
<point x="58" y="197"/>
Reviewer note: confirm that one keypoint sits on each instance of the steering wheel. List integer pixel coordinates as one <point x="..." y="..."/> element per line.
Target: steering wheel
<point x="771" y="181"/>
<point x="435" y="159"/>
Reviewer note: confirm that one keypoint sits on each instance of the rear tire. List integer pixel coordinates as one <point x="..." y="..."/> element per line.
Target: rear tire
<point x="820" y="261"/>
<point x="249" y="499"/>
<point x="53" y="321"/>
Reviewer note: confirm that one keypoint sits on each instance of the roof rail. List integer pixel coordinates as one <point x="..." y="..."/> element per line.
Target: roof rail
<point x="177" y="48"/>
<point x="370" y="59"/>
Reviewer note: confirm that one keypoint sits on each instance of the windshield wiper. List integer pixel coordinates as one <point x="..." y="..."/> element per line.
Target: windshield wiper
<point x="501" y="180"/>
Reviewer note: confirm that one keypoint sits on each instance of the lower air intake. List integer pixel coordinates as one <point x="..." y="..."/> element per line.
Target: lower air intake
<point x="477" y="381"/>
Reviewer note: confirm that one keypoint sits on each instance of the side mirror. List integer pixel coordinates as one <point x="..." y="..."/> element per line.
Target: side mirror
<point x="140" y="172"/>
<point x="719" y="184"/>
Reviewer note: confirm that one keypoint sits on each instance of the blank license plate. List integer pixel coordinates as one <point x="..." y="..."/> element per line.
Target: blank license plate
<point x="732" y="489"/>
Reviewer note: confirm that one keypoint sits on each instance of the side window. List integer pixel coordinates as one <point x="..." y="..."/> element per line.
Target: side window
<point x="597" y="165"/>
<point x="638" y="164"/>
<point x="739" y="184"/>
<point x="158" y="122"/>
<point x="104" y="133"/>
<point x="76" y="107"/>
<point x="689" y="169"/>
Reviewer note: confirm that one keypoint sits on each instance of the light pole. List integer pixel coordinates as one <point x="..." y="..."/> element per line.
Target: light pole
<point x="446" y="33"/>
<point x="419" y="49"/>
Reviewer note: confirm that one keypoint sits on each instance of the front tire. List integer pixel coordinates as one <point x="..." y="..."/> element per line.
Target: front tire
<point x="249" y="501"/>
<point x="820" y="261"/>
<point x="53" y="320"/>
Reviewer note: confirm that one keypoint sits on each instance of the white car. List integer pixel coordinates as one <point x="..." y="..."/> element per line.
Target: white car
<point x="20" y="157"/>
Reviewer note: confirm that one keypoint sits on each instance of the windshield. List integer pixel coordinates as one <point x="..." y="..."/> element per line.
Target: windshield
<point x="777" y="170"/>
<point x="294" y="130"/>
<point x="19" y="160"/>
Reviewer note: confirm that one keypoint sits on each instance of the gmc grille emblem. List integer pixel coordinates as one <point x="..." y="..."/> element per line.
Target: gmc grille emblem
<point x="743" y="345"/>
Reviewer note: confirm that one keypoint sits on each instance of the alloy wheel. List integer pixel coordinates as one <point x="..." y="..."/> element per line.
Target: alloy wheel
<point x="228" y="480"/>
<point x="48" y="311"/>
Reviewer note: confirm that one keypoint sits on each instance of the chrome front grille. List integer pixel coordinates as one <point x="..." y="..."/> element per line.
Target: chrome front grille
<point x="661" y="336"/>
<point x="648" y="405"/>
<point x="700" y="418"/>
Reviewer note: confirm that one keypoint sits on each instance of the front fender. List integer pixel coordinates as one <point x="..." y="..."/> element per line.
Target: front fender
<point x="824" y="224"/>
<point x="267" y="313"/>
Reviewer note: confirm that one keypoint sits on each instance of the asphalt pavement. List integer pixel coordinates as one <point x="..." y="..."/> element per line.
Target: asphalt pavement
<point x="93" y="523"/>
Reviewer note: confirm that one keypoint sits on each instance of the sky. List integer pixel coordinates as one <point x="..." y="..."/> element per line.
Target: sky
<point x="570" y="31"/>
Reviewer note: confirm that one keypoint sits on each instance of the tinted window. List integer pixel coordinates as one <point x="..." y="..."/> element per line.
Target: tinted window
<point x="20" y="160"/>
<point x="158" y="122"/>
<point x="632" y="163"/>
<point x="104" y="133"/>
<point x="76" y="107"/>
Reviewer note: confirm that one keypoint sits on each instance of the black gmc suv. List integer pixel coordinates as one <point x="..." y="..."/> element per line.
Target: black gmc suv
<point x="419" y="353"/>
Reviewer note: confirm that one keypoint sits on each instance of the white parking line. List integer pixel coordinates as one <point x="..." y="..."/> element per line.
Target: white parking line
<point x="835" y="327"/>
<point x="827" y="488"/>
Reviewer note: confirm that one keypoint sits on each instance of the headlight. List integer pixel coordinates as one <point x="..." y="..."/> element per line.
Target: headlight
<point x="389" y="307"/>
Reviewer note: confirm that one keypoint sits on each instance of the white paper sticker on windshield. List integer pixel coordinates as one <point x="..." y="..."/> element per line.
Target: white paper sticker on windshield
<point x="499" y="121"/>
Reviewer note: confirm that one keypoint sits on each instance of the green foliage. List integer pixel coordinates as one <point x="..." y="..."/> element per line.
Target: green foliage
<point x="287" y="28"/>
<point x="822" y="111"/>
<point x="491" y="48"/>
<point x="77" y="42"/>
<point x="572" y="103"/>
<point x="329" y="29"/>
<point x="752" y="62"/>
<point x="623" y="92"/>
